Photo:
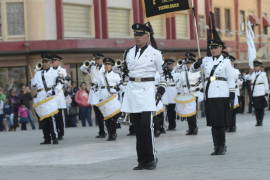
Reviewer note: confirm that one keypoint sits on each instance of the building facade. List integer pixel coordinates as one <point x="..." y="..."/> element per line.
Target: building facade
<point x="77" y="28"/>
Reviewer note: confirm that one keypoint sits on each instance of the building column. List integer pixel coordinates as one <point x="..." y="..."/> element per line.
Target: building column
<point x="98" y="20"/>
<point x="259" y="7"/>
<point x="104" y="18"/>
<point x="237" y="28"/>
<point x="168" y="28"/>
<point x="59" y="19"/>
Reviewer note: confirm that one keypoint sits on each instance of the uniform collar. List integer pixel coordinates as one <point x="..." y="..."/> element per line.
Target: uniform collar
<point x="56" y="67"/>
<point x="46" y="70"/>
<point x="216" y="57"/>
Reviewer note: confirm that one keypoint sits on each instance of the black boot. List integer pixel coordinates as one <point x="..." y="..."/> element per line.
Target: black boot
<point x="222" y="150"/>
<point x="55" y="141"/>
<point x="45" y="142"/>
<point x="138" y="167"/>
<point x="103" y="135"/>
<point x="151" y="165"/>
<point x="112" y="137"/>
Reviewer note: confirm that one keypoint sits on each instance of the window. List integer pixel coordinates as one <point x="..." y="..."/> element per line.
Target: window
<point x="158" y="24"/>
<point x="15" y="18"/>
<point x="181" y="26"/>
<point x="77" y="20"/>
<point x="265" y="30"/>
<point x="242" y="22"/>
<point x="228" y="27"/>
<point x="201" y="27"/>
<point x="217" y="18"/>
<point x="119" y="22"/>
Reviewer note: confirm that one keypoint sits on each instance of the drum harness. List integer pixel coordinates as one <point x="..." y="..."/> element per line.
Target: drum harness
<point x="44" y="83"/>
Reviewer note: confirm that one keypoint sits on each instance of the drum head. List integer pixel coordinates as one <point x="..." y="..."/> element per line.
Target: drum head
<point x="185" y="98"/>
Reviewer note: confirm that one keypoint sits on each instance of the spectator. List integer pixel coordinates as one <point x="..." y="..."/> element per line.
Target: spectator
<point x="23" y="116"/>
<point x="2" y="128"/>
<point x="81" y="98"/>
<point x="8" y="114"/>
<point x="2" y="95"/>
<point x="71" y="111"/>
<point x="27" y="99"/>
<point x="14" y="99"/>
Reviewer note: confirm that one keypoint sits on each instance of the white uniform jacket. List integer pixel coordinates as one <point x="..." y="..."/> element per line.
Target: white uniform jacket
<point x="238" y="81"/>
<point x="37" y="83"/>
<point x="96" y="74"/>
<point x="140" y="96"/>
<point x="261" y="87"/>
<point x="218" y="88"/>
<point x="59" y="93"/>
<point x="113" y="81"/>
<point x="194" y="82"/>
<point x="171" y="91"/>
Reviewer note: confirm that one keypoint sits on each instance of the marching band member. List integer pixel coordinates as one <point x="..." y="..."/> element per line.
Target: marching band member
<point x="96" y="70"/>
<point x="158" y="118"/>
<point x="188" y="82"/>
<point x="61" y="75"/>
<point x="143" y="61"/>
<point x="170" y="93"/>
<point x="44" y="100"/>
<point x="219" y="92"/>
<point x="109" y="86"/>
<point x="238" y="82"/>
<point x="259" y="91"/>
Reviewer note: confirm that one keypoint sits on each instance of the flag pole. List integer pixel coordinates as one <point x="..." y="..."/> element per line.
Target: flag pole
<point x="196" y="29"/>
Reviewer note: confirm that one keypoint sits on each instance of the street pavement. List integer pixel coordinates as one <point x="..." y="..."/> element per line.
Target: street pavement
<point x="80" y="156"/>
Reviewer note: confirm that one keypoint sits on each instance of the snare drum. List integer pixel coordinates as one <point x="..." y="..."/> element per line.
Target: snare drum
<point x="185" y="105"/>
<point x="46" y="107"/>
<point x="109" y="107"/>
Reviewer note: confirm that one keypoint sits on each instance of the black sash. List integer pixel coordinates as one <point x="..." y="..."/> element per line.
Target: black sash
<point x="254" y="83"/>
<point x="209" y="81"/>
<point x="187" y="81"/>
<point x="107" y="83"/>
<point x="44" y="81"/>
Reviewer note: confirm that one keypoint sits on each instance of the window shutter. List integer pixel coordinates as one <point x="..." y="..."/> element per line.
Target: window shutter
<point x="15" y="18"/>
<point x="158" y="25"/>
<point x="77" y="20"/>
<point x="119" y="22"/>
<point x="181" y="26"/>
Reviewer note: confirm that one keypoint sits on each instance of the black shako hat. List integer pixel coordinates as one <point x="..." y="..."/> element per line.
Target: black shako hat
<point x="140" y="29"/>
<point x="98" y="55"/>
<point x="169" y="61"/>
<point x="215" y="44"/>
<point x="190" y="57"/>
<point x="55" y="57"/>
<point x="46" y="57"/>
<point x="257" y="62"/>
<point x="108" y="60"/>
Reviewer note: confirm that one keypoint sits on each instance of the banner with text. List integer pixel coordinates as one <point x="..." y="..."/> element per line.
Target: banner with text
<point x="157" y="7"/>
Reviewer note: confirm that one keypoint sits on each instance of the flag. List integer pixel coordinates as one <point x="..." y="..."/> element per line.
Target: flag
<point x="157" y="7"/>
<point x="212" y="32"/>
<point x="251" y="46"/>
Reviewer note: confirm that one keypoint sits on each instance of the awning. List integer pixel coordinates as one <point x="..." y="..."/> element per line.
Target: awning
<point x="266" y="21"/>
<point x="254" y="20"/>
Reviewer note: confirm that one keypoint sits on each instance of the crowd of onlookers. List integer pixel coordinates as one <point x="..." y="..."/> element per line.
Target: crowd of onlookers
<point x="16" y="110"/>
